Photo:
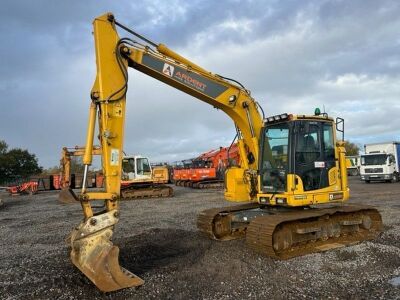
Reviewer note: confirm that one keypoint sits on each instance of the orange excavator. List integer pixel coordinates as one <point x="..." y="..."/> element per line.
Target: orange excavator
<point x="208" y="170"/>
<point x="182" y="172"/>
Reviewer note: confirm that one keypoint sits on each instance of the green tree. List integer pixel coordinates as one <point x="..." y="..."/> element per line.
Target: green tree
<point x="51" y="171"/>
<point x="3" y="147"/>
<point x="352" y="149"/>
<point x="17" y="163"/>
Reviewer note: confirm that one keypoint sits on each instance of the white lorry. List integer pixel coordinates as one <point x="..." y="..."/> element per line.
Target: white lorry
<point x="380" y="162"/>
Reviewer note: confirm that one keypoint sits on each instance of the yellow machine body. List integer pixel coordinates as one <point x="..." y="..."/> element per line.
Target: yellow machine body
<point x="160" y="174"/>
<point x="92" y="251"/>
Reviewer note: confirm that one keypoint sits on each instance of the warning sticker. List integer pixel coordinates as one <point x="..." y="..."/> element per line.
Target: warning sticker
<point x="335" y="196"/>
<point x="319" y="164"/>
<point x="168" y="70"/>
<point x="114" y="160"/>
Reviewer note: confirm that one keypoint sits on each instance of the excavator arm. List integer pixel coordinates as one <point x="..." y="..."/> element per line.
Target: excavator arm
<point x="92" y="250"/>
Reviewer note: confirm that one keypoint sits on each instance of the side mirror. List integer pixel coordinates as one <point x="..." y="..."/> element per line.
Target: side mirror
<point x="340" y="126"/>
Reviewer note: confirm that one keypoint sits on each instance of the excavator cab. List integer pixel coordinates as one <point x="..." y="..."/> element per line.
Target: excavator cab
<point x="299" y="156"/>
<point x="135" y="167"/>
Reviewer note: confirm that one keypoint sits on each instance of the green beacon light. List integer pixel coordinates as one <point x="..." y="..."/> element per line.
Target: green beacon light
<point x="317" y="111"/>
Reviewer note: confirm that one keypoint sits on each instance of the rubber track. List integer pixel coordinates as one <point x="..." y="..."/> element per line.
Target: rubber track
<point x="260" y="232"/>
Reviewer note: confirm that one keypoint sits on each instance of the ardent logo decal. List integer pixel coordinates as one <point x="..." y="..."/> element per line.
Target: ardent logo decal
<point x="168" y="70"/>
<point x="190" y="79"/>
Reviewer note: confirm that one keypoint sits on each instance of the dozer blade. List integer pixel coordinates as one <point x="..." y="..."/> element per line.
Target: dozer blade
<point x="95" y="255"/>
<point x="67" y="196"/>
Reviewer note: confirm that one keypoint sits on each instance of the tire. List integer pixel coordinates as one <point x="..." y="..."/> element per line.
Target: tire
<point x="367" y="181"/>
<point x="395" y="177"/>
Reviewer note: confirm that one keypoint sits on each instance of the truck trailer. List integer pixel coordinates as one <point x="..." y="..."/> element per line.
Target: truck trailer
<point x="380" y="162"/>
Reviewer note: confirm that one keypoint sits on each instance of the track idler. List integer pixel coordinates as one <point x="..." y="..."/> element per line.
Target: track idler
<point x="95" y="255"/>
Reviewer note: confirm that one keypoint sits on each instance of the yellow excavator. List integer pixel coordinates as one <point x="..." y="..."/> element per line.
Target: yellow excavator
<point x="292" y="175"/>
<point x="138" y="178"/>
<point x="66" y="195"/>
<point x="140" y="181"/>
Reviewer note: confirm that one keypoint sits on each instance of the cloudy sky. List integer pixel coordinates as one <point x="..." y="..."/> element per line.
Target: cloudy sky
<point x="293" y="56"/>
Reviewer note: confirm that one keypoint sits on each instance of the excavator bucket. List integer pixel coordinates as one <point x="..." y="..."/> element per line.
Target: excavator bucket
<point x="67" y="196"/>
<point x="95" y="255"/>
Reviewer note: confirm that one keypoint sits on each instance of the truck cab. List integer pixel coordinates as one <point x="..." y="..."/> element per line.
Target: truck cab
<point x="353" y="165"/>
<point x="380" y="162"/>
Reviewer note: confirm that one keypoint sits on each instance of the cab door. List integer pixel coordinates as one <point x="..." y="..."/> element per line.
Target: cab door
<point x="314" y="153"/>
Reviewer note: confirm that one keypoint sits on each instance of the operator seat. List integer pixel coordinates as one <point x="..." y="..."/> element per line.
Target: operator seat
<point x="308" y="150"/>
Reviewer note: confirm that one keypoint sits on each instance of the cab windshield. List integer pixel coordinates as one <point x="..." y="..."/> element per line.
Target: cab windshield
<point x="375" y="159"/>
<point x="143" y="166"/>
<point x="275" y="163"/>
<point x="128" y="165"/>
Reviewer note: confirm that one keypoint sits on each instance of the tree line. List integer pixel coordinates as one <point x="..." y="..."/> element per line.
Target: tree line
<point x="16" y="163"/>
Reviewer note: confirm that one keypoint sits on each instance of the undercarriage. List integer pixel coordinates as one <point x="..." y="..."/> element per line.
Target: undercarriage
<point x="202" y="184"/>
<point x="137" y="191"/>
<point x="283" y="233"/>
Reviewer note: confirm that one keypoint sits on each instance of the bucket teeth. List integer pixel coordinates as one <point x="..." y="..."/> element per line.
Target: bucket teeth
<point x="95" y="255"/>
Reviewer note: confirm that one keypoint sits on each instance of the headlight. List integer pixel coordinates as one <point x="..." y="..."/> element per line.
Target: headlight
<point x="280" y="200"/>
<point x="284" y="116"/>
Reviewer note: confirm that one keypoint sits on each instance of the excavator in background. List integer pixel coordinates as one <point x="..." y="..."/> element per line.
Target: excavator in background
<point x="66" y="194"/>
<point x="161" y="173"/>
<point x="208" y="170"/>
<point x="292" y="173"/>
<point x="138" y="180"/>
<point x="182" y="172"/>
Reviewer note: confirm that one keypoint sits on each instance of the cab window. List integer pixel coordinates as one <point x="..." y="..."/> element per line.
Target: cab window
<point x="329" y="146"/>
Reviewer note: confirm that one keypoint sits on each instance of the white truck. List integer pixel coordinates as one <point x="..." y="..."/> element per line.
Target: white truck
<point x="380" y="162"/>
<point x="353" y="165"/>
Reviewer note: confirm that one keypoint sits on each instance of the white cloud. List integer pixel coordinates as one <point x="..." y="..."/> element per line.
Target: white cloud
<point x="293" y="57"/>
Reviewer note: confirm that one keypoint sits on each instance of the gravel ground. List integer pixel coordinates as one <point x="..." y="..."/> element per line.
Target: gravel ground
<point x="159" y="242"/>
